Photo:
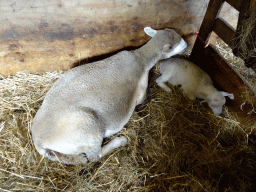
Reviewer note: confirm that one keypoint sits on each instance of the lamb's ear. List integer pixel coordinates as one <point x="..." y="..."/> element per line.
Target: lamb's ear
<point x="149" y="31"/>
<point x="230" y="95"/>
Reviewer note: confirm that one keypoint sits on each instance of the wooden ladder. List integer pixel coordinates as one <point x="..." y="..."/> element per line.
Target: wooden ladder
<point x="212" y="62"/>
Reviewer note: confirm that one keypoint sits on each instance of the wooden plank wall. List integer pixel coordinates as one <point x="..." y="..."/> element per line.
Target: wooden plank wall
<point x="37" y="36"/>
<point x="48" y="35"/>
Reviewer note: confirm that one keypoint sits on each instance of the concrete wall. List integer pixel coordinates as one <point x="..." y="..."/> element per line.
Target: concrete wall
<point x="37" y="35"/>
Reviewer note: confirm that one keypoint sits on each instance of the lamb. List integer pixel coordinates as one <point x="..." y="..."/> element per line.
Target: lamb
<point x="96" y="100"/>
<point x="194" y="82"/>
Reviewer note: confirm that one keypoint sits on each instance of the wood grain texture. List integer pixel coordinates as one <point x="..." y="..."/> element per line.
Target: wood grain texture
<point x="38" y="36"/>
<point x="235" y="3"/>
<point x="225" y="31"/>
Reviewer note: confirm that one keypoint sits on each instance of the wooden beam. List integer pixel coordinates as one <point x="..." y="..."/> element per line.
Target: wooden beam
<point x="235" y="3"/>
<point x="210" y="60"/>
<point x="224" y="74"/>
<point x="206" y="28"/>
<point x="225" y="31"/>
<point x="211" y="14"/>
<point x="227" y="78"/>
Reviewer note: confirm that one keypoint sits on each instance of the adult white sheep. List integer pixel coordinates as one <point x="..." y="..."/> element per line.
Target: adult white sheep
<point x="96" y="100"/>
<point x="194" y="82"/>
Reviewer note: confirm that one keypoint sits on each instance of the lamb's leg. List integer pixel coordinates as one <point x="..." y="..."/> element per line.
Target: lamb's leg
<point x="161" y="82"/>
<point x="189" y="94"/>
<point x="115" y="143"/>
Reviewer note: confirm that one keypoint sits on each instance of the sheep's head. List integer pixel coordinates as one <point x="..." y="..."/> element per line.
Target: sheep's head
<point x="169" y="42"/>
<point x="217" y="100"/>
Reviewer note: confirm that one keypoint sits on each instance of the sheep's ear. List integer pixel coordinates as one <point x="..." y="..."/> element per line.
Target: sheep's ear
<point x="230" y="95"/>
<point x="149" y="31"/>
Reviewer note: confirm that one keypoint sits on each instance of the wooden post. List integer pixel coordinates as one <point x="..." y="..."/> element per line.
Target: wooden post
<point x="211" y="61"/>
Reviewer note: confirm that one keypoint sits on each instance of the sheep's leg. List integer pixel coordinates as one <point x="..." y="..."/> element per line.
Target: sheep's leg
<point x="80" y="139"/>
<point x="161" y="82"/>
<point x="66" y="159"/>
<point x="115" y="143"/>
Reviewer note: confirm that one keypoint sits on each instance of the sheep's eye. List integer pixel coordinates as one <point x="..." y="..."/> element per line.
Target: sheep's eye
<point x="166" y="48"/>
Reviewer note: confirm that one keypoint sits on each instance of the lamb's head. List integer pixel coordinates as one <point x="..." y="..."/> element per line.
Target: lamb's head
<point x="170" y="42"/>
<point x="217" y="100"/>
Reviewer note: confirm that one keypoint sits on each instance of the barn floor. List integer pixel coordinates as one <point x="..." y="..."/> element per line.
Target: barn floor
<point x="174" y="145"/>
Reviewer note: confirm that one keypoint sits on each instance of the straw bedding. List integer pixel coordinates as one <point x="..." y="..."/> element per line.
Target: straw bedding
<point x="174" y="145"/>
